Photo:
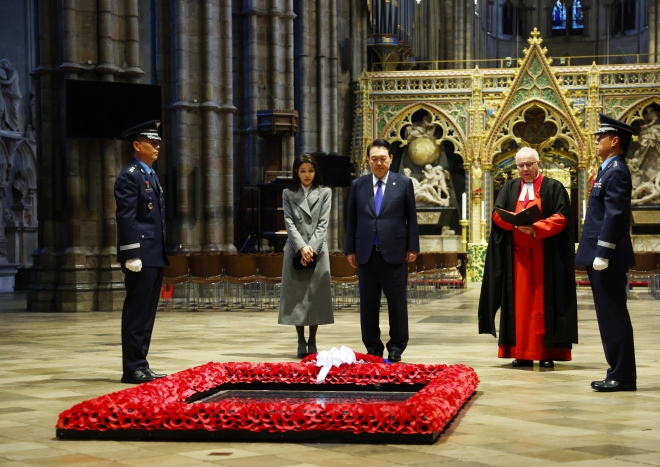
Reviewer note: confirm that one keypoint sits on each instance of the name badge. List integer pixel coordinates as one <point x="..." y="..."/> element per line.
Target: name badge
<point x="149" y="190"/>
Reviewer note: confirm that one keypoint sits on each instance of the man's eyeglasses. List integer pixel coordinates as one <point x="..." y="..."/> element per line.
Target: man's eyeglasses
<point x="526" y="165"/>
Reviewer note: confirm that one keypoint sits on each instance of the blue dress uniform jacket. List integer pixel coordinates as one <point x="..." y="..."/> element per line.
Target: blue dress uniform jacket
<point x="140" y="234"/>
<point x="606" y="231"/>
<point x="140" y="217"/>
<point x="606" y="235"/>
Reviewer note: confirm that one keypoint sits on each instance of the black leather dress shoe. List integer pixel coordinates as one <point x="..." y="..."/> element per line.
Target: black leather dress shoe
<point x="375" y="354"/>
<point x="154" y="375"/>
<point x="609" y="385"/>
<point x="547" y="364"/>
<point x="394" y="356"/>
<point x="136" y="377"/>
<point x="517" y="363"/>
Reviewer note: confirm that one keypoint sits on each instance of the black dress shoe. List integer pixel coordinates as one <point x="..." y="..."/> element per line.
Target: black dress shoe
<point x="547" y="364"/>
<point x="609" y="385"/>
<point x="154" y="375"/>
<point x="375" y="354"/>
<point x="394" y="356"/>
<point x="136" y="377"/>
<point x="517" y="363"/>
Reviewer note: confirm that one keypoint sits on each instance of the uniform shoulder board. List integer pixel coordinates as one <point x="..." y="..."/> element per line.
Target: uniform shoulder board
<point x="131" y="169"/>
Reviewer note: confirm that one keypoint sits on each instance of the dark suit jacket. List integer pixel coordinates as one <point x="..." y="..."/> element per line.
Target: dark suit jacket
<point x="606" y="231"/>
<point x="140" y="228"/>
<point x="396" y="224"/>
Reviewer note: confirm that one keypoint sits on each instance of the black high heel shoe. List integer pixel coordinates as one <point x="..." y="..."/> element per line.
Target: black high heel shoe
<point x="302" y="350"/>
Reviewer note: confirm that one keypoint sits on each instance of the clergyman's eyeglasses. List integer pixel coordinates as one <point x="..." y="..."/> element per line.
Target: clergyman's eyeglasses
<point x="527" y="165"/>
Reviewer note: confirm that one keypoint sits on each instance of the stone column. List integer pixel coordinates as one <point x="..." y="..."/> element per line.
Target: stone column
<point x="333" y="64"/>
<point x="450" y="38"/>
<point x="322" y="76"/>
<point x="289" y="143"/>
<point x="654" y="31"/>
<point x="182" y="123"/>
<point x="111" y="279"/>
<point x="106" y="66"/>
<point x="211" y="129"/>
<point x="132" y="41"/>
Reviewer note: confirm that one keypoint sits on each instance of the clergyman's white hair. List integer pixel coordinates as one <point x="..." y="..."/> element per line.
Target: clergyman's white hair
<point x="528" y="151"/>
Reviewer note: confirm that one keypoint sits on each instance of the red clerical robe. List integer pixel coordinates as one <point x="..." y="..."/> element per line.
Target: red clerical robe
<point x="528" y="287"/>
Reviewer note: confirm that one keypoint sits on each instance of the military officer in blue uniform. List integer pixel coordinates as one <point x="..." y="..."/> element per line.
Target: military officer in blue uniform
<point x="606" y="250"/>
<point x="140" y="249"/>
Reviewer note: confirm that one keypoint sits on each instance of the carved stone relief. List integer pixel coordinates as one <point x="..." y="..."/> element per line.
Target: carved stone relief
<point x="644" y="165"/>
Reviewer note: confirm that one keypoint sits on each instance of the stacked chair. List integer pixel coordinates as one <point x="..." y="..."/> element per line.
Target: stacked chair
<point x="270" y="279"/>
<point x="176" y="274"/>
<point x="241" y="281"/>
<point x="254" y="281"/>
<point x="646" y="272"/>
<point x="206" y="285"/>
<point x="344" y="282"/>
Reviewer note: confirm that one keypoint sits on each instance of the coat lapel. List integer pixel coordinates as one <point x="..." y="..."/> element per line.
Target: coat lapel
<point x="390" y="190"/>
<point x="368" y="186"/>
<point x="312" y="198"/>
<point x="300" y="200"/>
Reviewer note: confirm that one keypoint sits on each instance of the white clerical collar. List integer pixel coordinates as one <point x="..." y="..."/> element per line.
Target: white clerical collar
<point x="384" y="179"/>
<point x="528" y="187"/>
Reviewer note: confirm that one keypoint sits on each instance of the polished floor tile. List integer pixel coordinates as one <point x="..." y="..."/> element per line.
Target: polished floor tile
<point x="517" y="417"/>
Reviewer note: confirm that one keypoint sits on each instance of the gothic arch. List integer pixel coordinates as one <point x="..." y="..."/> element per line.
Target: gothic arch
<point x="504" y="131"/>
<point x="450" y="129"/>
<point x="23" y="157"/>
<point x="634" y="112"/>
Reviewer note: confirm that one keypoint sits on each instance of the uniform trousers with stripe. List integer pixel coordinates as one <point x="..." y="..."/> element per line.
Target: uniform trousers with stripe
<point x="616" y="331"/>
<point x="138" y="316"/>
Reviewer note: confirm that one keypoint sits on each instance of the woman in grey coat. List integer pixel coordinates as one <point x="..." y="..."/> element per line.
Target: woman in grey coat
<point x="305" y="298"/>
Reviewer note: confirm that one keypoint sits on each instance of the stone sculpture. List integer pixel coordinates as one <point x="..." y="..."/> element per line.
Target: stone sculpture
<point x="11" y="93"/>
<point x="424" y="194"/>
<point x="644" y="166"/>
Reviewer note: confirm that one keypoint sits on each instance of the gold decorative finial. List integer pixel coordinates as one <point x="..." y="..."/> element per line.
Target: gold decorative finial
<point x="535" y="39"/>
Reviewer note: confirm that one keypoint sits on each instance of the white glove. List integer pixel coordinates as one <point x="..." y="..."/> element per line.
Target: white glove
<point x="134" y="264"/>
<point x="601" y="263"/>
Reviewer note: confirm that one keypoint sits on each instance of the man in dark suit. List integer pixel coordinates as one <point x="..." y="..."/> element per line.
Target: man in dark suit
<point x="606" y="250"/>
<point x="381" y="235"/>
<point x="140" y="249"/>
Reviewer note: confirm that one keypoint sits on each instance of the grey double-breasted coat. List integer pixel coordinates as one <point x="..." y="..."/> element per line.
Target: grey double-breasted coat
<point x="305" y="298"/>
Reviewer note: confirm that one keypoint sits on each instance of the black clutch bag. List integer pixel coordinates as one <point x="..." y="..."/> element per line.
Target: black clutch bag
<point x="298" y="265"/>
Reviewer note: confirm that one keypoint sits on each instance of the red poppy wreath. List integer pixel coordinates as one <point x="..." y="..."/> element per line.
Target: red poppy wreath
<point x="167" y="404"/>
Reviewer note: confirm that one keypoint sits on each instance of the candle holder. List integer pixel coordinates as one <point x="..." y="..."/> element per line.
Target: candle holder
<point x="482" y="240"/>
<point x="464" y="223"/>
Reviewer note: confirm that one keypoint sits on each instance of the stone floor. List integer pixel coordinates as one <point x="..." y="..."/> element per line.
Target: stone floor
<point x="521" y="417"/>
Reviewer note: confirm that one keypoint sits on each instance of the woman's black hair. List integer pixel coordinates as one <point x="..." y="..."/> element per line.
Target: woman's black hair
<point x="300" y="160"/>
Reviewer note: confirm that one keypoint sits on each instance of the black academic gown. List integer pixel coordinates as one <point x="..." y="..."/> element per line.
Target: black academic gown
<point x="559" y="272"/>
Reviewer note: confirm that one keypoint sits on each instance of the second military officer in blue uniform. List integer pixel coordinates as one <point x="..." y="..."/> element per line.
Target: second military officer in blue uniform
<point x="606" y="250"/>
<point x="141" y="249"/>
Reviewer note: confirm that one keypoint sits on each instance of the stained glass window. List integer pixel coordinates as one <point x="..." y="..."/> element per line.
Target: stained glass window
<point x="559" y="16"/>
<point x="577" y="15"/>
